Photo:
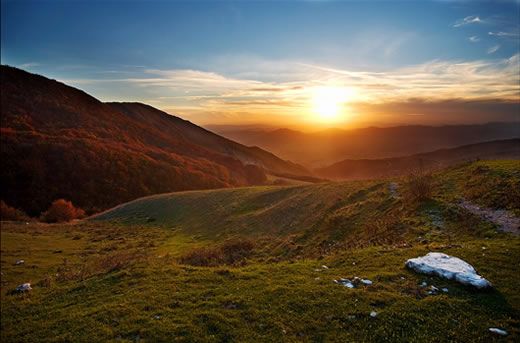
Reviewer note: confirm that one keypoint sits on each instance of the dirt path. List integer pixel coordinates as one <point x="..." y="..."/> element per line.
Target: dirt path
<point x="506" y="221"/>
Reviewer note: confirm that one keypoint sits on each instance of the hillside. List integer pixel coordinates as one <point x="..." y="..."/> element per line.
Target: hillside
<point x="391" y="167"/>
<point x="315" y="215"/>
<point x="322" y="148"/>
<point x="123" y="275"/>
<point x="59" y="142"/>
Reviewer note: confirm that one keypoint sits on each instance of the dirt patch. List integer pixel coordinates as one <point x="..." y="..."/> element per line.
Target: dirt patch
<point x="505" y="220"/>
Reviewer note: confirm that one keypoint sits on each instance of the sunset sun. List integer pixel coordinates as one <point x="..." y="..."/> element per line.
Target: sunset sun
<point x="328" y="103"/>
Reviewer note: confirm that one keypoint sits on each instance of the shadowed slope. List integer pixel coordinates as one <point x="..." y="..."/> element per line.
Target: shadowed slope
<point x="59" y="142"/>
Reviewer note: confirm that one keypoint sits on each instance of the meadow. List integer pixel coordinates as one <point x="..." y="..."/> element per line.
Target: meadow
<point x="123" y="275"/>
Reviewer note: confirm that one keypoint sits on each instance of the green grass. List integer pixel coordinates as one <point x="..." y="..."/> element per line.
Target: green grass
<point x="355" y="229"/>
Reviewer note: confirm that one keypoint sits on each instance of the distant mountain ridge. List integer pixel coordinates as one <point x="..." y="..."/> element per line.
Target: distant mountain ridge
<point x="58" y="141"/>
<point x="396" y="166"/>
<point x="320" y="149"/>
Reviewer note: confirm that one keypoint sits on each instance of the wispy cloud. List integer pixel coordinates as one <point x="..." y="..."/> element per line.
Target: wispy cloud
<point x="29" y="65"/>
<point x="493" y="49"/>
<point x="468" y="20"/>
<point x="505" y="34"/>
<point x="205" y="95"/>
<point x="474" y="39"/>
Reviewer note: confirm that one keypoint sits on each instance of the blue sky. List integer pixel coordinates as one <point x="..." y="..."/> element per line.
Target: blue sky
<point x="221" y="61"/>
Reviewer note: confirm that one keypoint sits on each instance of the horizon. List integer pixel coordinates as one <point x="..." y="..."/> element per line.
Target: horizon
<point x="340" y="65"/>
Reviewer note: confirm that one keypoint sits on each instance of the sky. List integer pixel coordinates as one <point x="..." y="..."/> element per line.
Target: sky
<point x="285" y="63"/>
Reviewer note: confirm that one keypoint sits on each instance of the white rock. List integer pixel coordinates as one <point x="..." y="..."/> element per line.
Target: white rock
<point x="324" y="267"/>
<point x="18" y="262"/>
<point x="348" y="284"/>
<point x="366" y="281"/>
<point x="24" y="287"/>
<point x="373" y="314"/>
<point x="445" y="290"/>
<point x="448" y="267"/>
<point x="424" y="284"/>
<point x="498" y="331"/>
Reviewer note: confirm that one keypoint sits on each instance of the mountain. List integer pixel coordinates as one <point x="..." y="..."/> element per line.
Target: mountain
<point x="322" y="148"/>
<point x="59" y="142"/>
<point x="389" y="167"/>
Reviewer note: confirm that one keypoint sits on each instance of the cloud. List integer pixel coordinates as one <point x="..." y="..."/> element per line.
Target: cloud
<point x="29" y="65"/>
<point x="205" y="96"/>
<point x="474" y="39"/>
<point x="493" y="49"/>
<point x="505" y="34"/>
<point x="468" y="20"/>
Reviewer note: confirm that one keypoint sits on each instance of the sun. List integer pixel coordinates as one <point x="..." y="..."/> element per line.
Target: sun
<point x="328" y="103"/>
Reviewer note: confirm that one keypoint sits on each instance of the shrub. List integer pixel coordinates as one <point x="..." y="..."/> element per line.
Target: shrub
<point x="237" y="250"/>
<point x="10" y="213"/>
<point x="420" y="184"/>
<point x="230" y="252"/>
<point x="62" y="210"/>
<point x="203" y="257"/>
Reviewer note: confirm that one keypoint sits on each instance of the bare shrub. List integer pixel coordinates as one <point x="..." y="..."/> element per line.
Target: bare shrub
<point x="62" y="210"/>
<point x="10" y="213"/>
<point x="230" y="252"/>
<point x="419" y="184"/>
<point x="203" y="257"/>
<point x="237" y="250"/>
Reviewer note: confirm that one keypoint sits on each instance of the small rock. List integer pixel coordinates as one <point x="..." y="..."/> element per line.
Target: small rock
<point x="373" y="314"/>
<point x="423" y="284"/>
<point x="24" y="287"/>
<point x="445" y="290"/>
<point x="348" y="284"/>
<point x="433" y="288"/>
<point x="316" y="278"/>
<point x="353" y="263"/>
<point x="157" y="316"/>
<point x="498" y="331"/>
<point x="324" y="267"/>
<point x="366" y="281"/>
<point x="18" y="262"/>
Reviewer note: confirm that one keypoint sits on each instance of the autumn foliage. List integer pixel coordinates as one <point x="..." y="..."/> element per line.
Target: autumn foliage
<point x="59" y="142"/>
<point x="10" y="213"/>
<point x="62" y="210"/>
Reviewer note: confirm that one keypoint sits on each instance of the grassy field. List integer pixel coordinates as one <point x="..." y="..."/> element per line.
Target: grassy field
<point x="117" y="277"/>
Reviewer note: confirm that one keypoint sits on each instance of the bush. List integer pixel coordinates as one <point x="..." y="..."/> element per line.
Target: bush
<point x="62" y="210"/>
<point x="236" y="250"/>
<point x="420" y="184"/>
<point x="231" y="252"/>
<point x="10" y="213"/>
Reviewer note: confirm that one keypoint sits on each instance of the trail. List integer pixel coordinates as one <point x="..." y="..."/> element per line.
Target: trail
<point x="506" y="221"/>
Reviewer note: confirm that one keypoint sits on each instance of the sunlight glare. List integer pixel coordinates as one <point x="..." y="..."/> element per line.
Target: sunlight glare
<point x="327" y="102"/>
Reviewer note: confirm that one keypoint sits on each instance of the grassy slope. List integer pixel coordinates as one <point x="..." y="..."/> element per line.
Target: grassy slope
<point x="344" y="226"/>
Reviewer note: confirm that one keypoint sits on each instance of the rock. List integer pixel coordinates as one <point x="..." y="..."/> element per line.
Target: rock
<point x="445" y="290"/>
<point x="423" y="284"/>
<point x="366" y="282"/>
<point x="448" y="267"/>
<point x="18" y="262"/>
<point x="24" y="287"/>
<point x="324" y="267"/>
<point x="373" y="314"/>
<point x="498" y="331"/>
